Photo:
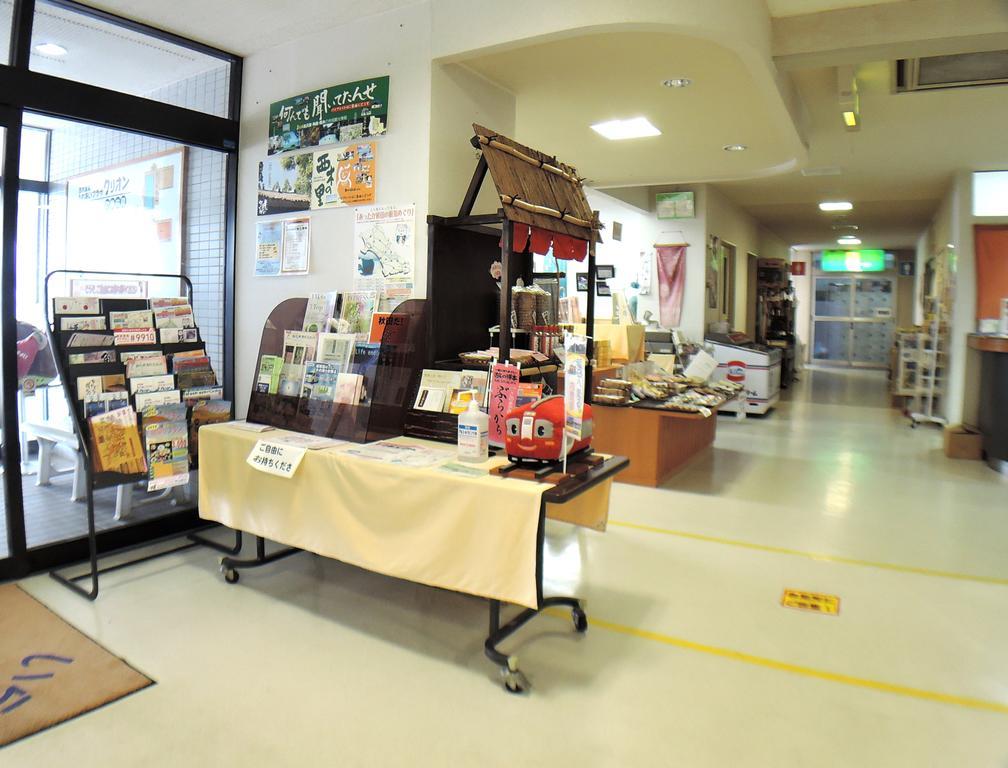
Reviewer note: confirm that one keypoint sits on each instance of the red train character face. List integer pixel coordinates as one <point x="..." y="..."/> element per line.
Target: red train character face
<point x="536" y="431"/>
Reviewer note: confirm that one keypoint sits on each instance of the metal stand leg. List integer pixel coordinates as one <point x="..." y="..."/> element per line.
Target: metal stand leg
<point x="196" y="538"/>
<point x="513" y="679"/>
<point x="71" y="581"/>
<point x="229" y="565"/>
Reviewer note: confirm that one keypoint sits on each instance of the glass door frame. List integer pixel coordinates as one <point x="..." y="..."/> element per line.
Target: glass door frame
<point x="850" y="318"/>
<point x="23" y="90"/>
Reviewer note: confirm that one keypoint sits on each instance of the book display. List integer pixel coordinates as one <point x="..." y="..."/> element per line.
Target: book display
<point x="337" y="384"/>
<point x="139" y="384"/>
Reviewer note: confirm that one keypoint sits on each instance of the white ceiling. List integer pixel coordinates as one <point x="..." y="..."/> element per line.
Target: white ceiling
<point x="565" y="85"/>
<point x="797" y="7"/>
<point x="247" y="26"/>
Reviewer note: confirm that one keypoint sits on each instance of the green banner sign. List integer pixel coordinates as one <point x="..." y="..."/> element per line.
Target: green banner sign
<point x="854" y="261"/>
<point x="339" y="114"/>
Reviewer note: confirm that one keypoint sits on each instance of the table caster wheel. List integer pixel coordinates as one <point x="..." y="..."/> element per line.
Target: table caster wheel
<point x="230" y="574"/>
<point x="514" y="680"/>
<point x="580" y="620"/>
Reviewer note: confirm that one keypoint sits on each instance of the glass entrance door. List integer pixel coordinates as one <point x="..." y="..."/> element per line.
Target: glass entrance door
<point x="853" y="319"/>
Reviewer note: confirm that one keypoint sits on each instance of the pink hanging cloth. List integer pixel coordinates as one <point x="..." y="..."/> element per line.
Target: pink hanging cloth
<point x="671" y="283"/>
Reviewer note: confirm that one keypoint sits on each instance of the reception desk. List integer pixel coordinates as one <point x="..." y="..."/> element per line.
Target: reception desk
<point x="992" y="413"/>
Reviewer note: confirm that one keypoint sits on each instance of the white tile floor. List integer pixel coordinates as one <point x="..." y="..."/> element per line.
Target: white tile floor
<point x="691" y="659"/>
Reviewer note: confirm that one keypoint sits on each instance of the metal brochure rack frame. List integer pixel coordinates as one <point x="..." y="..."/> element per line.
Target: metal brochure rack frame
<point x="95" y="480"/>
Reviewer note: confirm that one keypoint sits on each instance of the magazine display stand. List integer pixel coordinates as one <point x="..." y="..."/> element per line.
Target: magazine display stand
<point x="95" y="479"/>
<point x="389" y="368"/>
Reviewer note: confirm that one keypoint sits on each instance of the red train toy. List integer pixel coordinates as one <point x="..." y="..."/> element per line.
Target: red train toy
<point x="535" y="432"/>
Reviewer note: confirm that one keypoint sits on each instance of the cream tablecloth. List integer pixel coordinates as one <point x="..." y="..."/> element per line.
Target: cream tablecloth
<point x="472" y="535"/>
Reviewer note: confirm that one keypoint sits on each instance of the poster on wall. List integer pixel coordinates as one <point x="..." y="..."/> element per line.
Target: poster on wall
<point x="675" y="205"/>
<point x="285" y="184"/>
<point x="335" y="115"/>
<point x="296" y="241"/>
<point x="129" y="214"/>
<point x="343" y="176"/>
<point x="269" y="241"/>
<point x="385" y="244"/>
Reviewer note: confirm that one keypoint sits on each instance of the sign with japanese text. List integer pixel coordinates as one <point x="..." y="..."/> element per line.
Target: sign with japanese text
<point x="343" y="176"/>
<point x="575" y="359"/>
<point x="503" y="396"/>
<point x="276" y="459"/>
<point x="334" y="115"/>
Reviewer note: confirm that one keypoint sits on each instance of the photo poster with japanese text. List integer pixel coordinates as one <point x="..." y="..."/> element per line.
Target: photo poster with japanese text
<point x="269" y="243"/>
<point x="338" y="114"/>
<point x="285" y="184"/>
<point x="385" y="244"/>
<point x="343" y="176"/>
<point x="129" y="214"/>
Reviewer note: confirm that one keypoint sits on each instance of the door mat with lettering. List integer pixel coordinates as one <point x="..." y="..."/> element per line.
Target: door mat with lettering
<point x="49" y="671"/>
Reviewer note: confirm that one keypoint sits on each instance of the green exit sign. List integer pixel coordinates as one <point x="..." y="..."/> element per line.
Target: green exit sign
<point x="854" y="261"/>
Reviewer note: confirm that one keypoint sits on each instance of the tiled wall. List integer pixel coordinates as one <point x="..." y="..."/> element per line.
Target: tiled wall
<point x="78" y="148"/>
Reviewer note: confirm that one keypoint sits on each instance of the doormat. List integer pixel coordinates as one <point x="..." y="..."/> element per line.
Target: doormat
<point x="49" y="671"/>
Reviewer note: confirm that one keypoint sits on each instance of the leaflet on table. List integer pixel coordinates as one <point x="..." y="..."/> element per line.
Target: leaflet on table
<point x="299" y="348"/>
<point x="203" y="413"/>
<point x="144" y="384"/>
<point x="336" y="348"/>
<point x="76" y="305"/>
<point x="250" y="427"/>
<point x="127" y="336"/>
<point x="148" y="365"/>
<point x="138" y="318"/>
<point x="104" y="356"/>
<point x="464" y="470"/>
<point x="88" y="323"/>
<point x="90" y="386"/>
<point x="167" y="454"/>
<point x="399" y="454"/>
<point x="301" y="440"/>
<point x="81" y="339"/>
<point x="320" y="381"/>
<point x="180" y="316"/>
<point x="435" y="389"/>
<point x="194" y="395"/>
<point x="116" y="442"/>
<point x="103" y="402"/>
<point x="163" y="397"/>
<point x="178" y="335"/>
<point x="320" y="309"/>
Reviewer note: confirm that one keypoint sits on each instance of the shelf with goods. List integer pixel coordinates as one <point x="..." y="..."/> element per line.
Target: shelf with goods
<point x="932" y="361"/>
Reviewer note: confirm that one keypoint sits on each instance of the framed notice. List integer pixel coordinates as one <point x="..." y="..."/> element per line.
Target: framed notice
<point x="335" y="115"/>
<point x="296" y="241"/>
<point x="344" y="176"/>
<point x="675" y="205"/>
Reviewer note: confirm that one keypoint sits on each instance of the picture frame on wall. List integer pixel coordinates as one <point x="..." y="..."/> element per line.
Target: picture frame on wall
<point x="602" y="288"/>
<point x="605" y="271"/>
<point x="582" y="281"/>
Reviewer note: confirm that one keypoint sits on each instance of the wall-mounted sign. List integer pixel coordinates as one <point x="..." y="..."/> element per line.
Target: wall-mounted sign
<point x="675" y="205"/>
<point x="285" y="184"/>
<point x="906" y="268"/>
<point x="343" y="176"/>
<point x="335" y="115"/>
<point x="384" y="238"/>
<point x="798" y="268"/>
<point x="854" y="261"/>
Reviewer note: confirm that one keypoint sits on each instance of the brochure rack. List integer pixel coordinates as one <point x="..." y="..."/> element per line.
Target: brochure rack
<point x="389" y="368"/>
<point x="95" y="479"/>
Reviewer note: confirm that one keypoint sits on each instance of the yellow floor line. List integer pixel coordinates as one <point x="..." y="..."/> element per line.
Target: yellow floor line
<point x="816" y="555"/>
<point x="783" y="666"/>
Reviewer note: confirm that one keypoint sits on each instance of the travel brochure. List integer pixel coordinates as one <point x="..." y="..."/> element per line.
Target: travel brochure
<point x="450" y="391"/>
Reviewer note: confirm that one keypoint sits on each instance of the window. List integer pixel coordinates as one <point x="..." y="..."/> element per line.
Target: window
<point x="990" y="193"/>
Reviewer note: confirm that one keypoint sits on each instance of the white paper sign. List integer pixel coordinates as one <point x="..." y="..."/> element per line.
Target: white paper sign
<point x="274" y="459"/>
<point x="575" y="359"/>
<point x="702" y="366"/>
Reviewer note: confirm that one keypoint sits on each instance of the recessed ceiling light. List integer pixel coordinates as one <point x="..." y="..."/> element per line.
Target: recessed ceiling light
<point x="677" y="82"/>
<point x="50" y="49"/>
<point x="838" y="227"/>
<point x="632" y="128"/>
<point x="838" y="205"/>
<point x="848" y="241"/>
<point x="734" y="147"/>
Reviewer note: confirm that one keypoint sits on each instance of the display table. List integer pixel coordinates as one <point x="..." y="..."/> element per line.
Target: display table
<point x="992" y="414"/>
<point x="657" y="442"/>
<point x="478" y="535"/>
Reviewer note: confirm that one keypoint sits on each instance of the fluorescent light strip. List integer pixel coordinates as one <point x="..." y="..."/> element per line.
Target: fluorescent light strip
<point x="838" y="205"/>
<point x="632" y="128"/>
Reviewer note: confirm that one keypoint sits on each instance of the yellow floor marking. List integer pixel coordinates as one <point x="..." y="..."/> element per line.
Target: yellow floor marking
<point x="783" y="666"/>
<point x="828" y="605"/>
<point x="1003" y="582"/>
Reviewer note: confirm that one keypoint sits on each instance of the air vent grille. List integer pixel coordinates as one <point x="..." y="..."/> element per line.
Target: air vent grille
<point x="960" y="70"/>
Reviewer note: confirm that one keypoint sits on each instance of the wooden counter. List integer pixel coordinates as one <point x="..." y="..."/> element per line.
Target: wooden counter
<point x="657" y="442"/>
<point x="987" y="343"/>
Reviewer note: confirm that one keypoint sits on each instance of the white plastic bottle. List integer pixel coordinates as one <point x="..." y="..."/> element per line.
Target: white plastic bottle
<point x="473" y="427"/>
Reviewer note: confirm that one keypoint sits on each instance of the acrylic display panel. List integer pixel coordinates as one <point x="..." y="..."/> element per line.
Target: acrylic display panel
<point x="388" y="369"/>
